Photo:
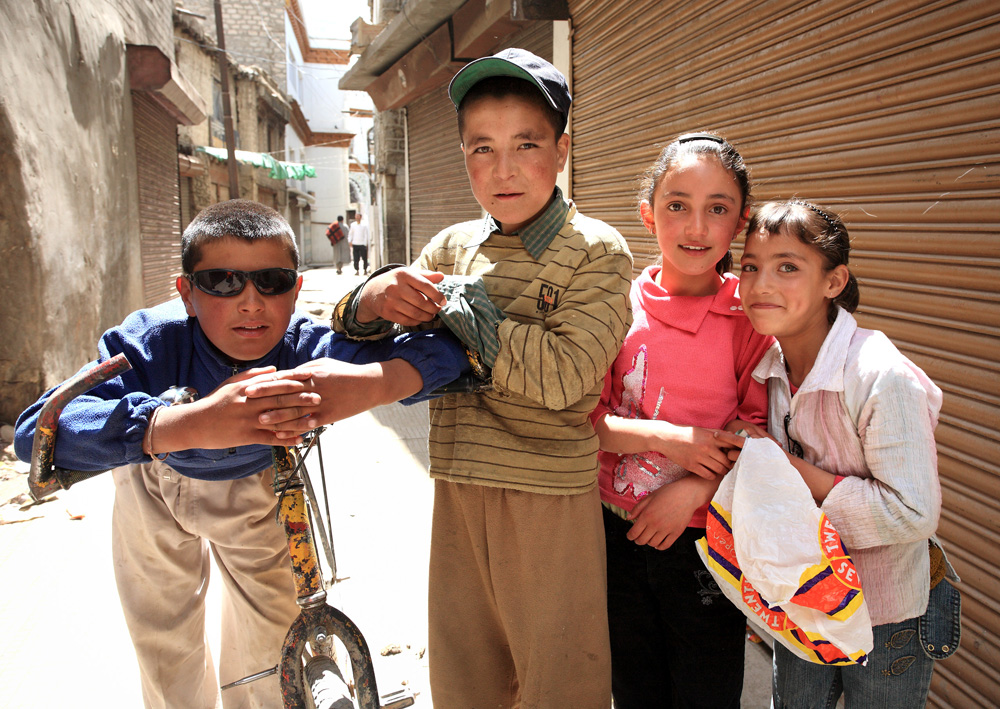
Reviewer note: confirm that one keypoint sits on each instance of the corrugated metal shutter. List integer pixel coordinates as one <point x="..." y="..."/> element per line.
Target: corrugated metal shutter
<point x="159" y="195"/>
<point x="439" y="186"/>
<point x="888" y="112"/>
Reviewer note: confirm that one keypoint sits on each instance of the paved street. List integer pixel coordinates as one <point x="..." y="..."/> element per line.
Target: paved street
<point x="64" y="639"/>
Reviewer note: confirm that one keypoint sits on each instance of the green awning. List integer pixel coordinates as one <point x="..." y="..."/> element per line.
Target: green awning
<point x="280" y="170"/>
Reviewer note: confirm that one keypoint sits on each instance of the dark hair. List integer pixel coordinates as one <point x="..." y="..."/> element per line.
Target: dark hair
<point x="241" y="219"/>
<point x="699" y="144"/>
<point x="816" y="227"/>
<point x="340" y="217"/>
<point x="504" y="86"/>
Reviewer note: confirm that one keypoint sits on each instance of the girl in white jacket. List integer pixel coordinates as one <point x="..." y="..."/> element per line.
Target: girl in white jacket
<point x="857" y="419"/>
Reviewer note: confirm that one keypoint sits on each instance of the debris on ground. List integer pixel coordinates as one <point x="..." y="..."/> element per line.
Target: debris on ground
<point x="391" y="649"/>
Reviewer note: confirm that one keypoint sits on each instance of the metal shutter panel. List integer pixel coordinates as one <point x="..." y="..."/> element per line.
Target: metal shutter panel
<point x="889" y="113"/>
<point x="159" y="198"/>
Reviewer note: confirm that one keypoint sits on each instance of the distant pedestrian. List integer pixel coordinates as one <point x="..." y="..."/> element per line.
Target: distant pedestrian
<point x="337" y="234"/>
<point x="359" y="238"/>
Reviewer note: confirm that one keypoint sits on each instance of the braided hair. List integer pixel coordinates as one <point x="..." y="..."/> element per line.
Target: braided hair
<point x="816" y="227"/>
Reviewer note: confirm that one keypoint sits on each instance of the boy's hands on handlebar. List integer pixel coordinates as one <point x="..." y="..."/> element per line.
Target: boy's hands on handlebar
<point x="226" y="417"/>
<point x="406" y="296"/>
<point x="344" y="389"/>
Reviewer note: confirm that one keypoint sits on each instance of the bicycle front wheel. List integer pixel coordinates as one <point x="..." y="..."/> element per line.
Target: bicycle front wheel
<point x="327" y="685"/>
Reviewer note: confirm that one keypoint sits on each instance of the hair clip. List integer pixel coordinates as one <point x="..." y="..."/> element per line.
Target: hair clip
<point x="825" y="215"/>
<point x="688" y="137"/>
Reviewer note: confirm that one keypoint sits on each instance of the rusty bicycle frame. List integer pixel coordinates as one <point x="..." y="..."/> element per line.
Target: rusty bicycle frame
<point x="317" y="623"/>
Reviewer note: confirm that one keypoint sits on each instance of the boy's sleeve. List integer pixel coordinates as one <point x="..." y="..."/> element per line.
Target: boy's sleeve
<point x="99" y="430"/>
<point x="436" y="354"/>
<point x="344" y="320"/>
<point x="560" y="362"/>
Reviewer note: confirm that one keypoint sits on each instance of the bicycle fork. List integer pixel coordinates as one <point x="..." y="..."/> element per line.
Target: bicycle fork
<point x="317" y="622"/>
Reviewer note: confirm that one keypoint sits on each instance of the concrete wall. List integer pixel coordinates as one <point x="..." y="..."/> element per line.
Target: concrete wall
<point x="69" y="225"/>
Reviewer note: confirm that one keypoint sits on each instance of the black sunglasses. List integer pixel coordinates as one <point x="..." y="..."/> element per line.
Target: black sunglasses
<point x="225" y="282"/>
<point x="794" y="447"/>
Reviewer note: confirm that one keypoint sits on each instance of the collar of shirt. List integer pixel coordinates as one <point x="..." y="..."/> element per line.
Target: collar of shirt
<point x="537" y="236"/>
<point x="686" y="312"/>
<point x="827" y="372"/>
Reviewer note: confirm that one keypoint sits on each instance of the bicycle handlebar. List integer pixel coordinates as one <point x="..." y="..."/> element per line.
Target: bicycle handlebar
<point x="43" y="477"/>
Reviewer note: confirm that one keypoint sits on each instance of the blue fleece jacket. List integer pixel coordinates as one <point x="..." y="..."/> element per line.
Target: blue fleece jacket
<point x="104" y="428"/>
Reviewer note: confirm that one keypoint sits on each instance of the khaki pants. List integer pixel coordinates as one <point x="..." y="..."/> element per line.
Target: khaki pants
<point x="518" y="604"/>
<point x="163" y="527"/>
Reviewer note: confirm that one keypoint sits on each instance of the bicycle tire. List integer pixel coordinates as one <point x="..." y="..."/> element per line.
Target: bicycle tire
<point x="327" y="685"/>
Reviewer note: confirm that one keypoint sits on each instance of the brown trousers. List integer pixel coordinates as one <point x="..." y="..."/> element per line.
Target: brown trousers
<point x="164" y="525"/>
<point x="517" y="600"/>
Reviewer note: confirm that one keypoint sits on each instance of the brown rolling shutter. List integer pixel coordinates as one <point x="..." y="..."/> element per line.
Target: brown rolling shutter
<point x="887" y="112"/>
<point x="159" y="195"/>
<point x="439" y="186"/>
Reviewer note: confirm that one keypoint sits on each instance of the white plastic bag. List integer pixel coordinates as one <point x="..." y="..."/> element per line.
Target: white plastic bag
<point x="779" y="559"/>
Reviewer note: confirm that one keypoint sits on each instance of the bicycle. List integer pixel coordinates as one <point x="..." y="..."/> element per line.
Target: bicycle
<point x="309" y="674"/>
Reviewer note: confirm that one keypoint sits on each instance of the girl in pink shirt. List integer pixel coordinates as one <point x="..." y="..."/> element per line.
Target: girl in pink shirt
<point x="856" y="419"/>
<point x="682" y="375"/>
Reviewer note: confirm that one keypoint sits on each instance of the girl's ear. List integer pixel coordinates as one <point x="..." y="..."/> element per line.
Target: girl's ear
<point x="741" y="224"/>
<point x="646" y="212"/>
<point x="836" y="280"/>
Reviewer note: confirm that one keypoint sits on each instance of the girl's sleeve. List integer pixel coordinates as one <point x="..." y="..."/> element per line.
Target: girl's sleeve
<point x="901" y="502"/>
<point x="751" y="394"/>
<point x="101" y="429"/>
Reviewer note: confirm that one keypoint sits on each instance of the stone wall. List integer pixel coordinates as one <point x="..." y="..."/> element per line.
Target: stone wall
<point x="69" y="232"/>
<point x="254" y="32"/>
<point x="390" y="161"/>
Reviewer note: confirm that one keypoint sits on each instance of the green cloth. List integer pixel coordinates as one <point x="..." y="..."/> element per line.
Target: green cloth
<point x="280" y="170"/>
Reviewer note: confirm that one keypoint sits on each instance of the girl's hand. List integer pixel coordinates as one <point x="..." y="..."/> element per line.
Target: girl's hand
<point x="662" y="516"/>
<point x="751" y="429"/>
<point x="702" y="451"/>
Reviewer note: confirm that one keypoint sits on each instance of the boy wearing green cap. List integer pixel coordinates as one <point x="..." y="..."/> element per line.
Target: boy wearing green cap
<point x="517" y="610"/>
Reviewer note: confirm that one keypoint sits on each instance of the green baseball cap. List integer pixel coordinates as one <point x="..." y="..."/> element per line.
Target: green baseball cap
<point x="520" y="64"/>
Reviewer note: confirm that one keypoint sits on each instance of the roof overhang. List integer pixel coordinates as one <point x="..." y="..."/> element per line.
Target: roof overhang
<point x="430" y="40"/>
<point x="150" y="70"/>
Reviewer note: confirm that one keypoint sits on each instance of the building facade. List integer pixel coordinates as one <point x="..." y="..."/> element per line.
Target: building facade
<point x="886" y="112"/>
<point x="88" y="193"/>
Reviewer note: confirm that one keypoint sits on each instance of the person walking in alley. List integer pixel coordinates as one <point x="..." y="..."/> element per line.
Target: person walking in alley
<point x="337" y="234"/>
<point x="197" y="476"/>
<point x="359" y="239"/>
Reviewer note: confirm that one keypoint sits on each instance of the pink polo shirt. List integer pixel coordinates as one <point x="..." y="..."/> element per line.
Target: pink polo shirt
<point x="687" y="360"/>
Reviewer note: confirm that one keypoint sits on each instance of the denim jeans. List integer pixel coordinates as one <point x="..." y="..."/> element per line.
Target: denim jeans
<point x="676" y="640"/>
<point x="898" y="673"/>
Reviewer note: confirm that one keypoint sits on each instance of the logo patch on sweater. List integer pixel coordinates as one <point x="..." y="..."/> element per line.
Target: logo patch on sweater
<point x="548" y="298"/>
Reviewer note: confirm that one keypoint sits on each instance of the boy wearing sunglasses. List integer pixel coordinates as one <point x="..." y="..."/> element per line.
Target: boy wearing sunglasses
<point x="194" y="477"/>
